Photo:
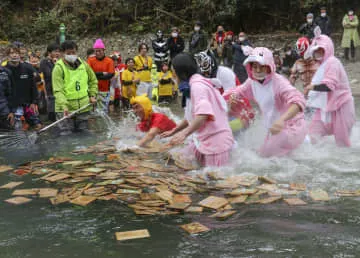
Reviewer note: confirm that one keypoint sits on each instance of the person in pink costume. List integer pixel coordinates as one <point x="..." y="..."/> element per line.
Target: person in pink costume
<point x="280" y="103"/>
<point x="206" y="117"/>
<point x="330" y="94"/>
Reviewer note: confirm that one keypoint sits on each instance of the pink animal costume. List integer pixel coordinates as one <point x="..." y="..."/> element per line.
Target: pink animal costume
<point x="213" y="142"/>
<point x="332" y="97"/>
<point x="274" y="96"/>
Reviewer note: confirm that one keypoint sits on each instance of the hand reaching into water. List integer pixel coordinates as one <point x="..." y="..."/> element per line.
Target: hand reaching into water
<point x="168" y="133"/>
<point x="277" y="127"/>
<point x="179" y="138"/>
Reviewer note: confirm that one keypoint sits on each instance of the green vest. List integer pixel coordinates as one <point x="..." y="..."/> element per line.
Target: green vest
<point x="75" y="81"/>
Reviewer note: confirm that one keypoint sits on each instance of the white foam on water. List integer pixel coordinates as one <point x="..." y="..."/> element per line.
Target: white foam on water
<point x="323" y="165"/>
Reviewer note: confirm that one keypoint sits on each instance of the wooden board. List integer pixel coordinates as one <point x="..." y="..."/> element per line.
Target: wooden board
<point x="58" y="199"/>
<point x="242" y="191"/>
<point x="83" y="200"/>
<point x="239" y="199"/>
<point x="319" y="195"/>
<point x="5" y="168"/>
<point x="57" y="177"/>
<point x="135" y="234"/>
<point x="11" y="185"/>
<point x="181" y="198"/>
<point x="179" y="206"/>
<point x="165" y="195"/>
<point x="32" y="191"/>
<point x="145" y="212"/>
<point x="194" y="209"/>
<point x="252" y="199"/>
<point x="267" y="180"/>
<point x="294" y="201"/>
<point x="128" y="191"/>
<point x="298" y="187"/>
<point x="270" y="200"/>
<point x="47" y="192"/>
<point x="223" y="214"/>
<point x="94" y="170"/>
<point x="347" y="193"/>
<point x="214" y="202"/>
<point x="18" y="200"/>
<point x="243" y="180"/>
<point x="194" y="228"/>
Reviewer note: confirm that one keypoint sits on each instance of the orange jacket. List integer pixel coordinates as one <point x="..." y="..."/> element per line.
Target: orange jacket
<point x="104" y="65"/>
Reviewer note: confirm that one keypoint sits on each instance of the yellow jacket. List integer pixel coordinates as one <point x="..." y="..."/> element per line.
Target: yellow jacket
<point x="143" y="66"/>
<point x="166" y="84"/>
<point x="128" y="88"/>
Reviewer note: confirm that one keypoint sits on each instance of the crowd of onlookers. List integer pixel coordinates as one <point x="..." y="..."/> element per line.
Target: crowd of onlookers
<point x="32" y="83"/>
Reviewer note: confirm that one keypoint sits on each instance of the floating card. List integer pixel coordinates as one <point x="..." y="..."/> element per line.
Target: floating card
<point x="135" y="234"/>
<point x="18" y="200"/>
<point x="83" y="200"/>
<point x="11" y="185"/>
<point x="194" y="228"/>
<point x="214" y="202"/>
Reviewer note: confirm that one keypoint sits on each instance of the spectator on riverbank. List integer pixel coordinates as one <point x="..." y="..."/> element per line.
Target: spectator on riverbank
<point x="217" y="44"/>
<point x="307" y="29"/>
<point x="46" y="67"/>
<point x="323" y="21"/>
<point x="24" y="97"/>
<point x="143" y="64"/>
<point x="175" y="43"/>
<point x="239" y="56"/>
<point x="198" y="39"/>
<point x="75" y="86"/>
<point x="104" y="70"/>
<point x="350" y="39"/>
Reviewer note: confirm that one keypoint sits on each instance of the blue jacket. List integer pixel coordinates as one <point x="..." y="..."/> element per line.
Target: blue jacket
<point x="5" y="91"/>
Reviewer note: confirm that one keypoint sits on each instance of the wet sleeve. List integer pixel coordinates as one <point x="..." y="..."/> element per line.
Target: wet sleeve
<point x="58" y="87"/>
<point x="201" y="103"/>
<point x="332" y="74"/>
<point x="242" y="91"/>
<point x="93" y="82"/>
<point x="290" y="95"/>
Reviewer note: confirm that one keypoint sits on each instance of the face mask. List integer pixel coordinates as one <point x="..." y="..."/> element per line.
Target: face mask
<point x="309" y="20"/>
<point x="259" y="76"/>
<point x="15" y="59"/>
<point x="351" y="13"/>
<point x="174" y="34"/>
<point x="241" y="39"/>
<point x="323" y="14"/>
<point x="288" y="53"/>
<point x="318" y="56"/>
<point x="71" y="58"/>
<point x="196" y="28"/>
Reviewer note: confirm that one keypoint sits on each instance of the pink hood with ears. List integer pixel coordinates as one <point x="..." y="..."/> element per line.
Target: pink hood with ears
<point x="324" y="42"/>
<point x="263" y="56"/>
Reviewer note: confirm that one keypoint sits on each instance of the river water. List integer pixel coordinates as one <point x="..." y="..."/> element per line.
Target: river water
<point x="331" y="229"/>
